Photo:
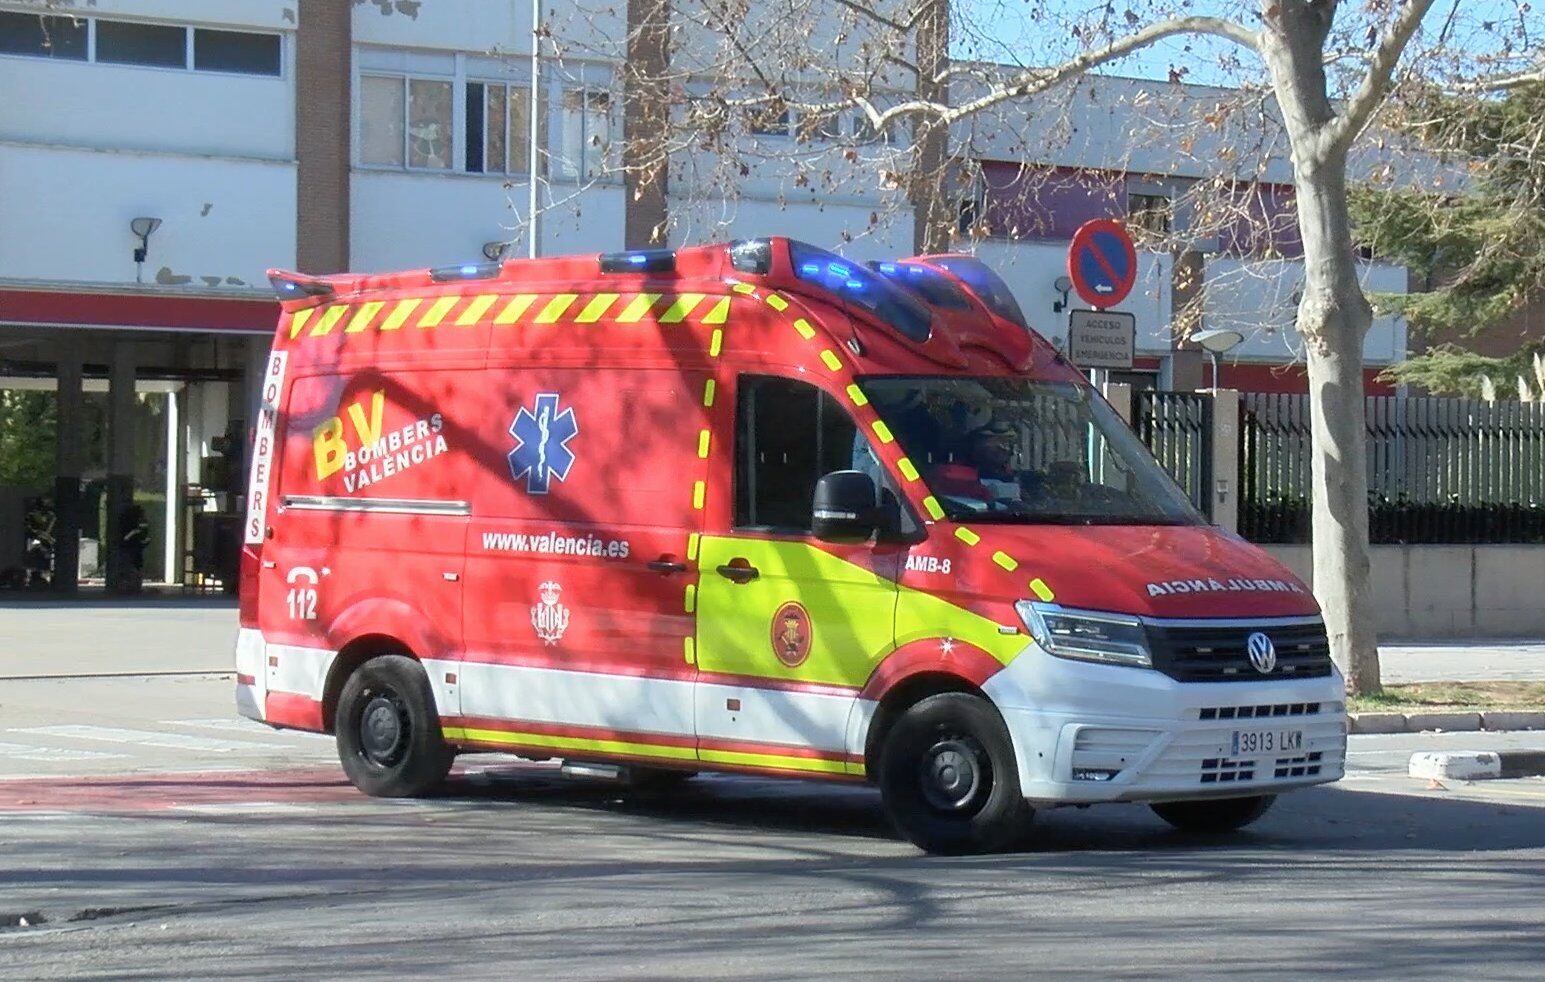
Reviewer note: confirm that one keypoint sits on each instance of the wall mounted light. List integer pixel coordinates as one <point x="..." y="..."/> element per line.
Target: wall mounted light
<point x="1062" y="285"/>
<point x="142" y="227"/>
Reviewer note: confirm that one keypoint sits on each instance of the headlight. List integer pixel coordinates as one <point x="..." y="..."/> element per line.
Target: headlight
<point x="1087" y="635"/>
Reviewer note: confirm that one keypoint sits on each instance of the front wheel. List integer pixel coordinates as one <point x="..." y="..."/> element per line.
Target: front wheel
<point x="389" y="737"/>
<point x="1214" y="816"/>
<point x="948" y="776"/>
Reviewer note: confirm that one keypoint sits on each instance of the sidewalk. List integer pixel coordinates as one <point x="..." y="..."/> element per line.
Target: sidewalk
<point x="1463" y="661"/>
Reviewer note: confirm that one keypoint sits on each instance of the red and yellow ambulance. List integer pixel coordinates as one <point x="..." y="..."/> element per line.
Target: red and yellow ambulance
<point x="754" y="508"/>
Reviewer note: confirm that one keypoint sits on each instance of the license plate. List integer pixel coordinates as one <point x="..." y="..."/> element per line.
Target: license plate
<point x="1247" y="742"/>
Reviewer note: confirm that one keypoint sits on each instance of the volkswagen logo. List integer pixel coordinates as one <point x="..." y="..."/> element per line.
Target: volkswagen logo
<point x="1263" y="654"/>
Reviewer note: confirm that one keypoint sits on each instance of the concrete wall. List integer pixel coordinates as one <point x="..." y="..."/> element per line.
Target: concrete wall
<point x="1450" y="591"/>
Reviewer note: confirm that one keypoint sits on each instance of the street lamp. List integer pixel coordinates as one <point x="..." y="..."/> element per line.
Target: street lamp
<point x="142" y="227"/>
<point x="1217" y="342"/>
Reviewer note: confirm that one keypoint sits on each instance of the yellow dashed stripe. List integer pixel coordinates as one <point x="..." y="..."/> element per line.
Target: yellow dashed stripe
<point x="967" y="536"/>
<point x="776" y="302"/>
<point x="555" y="307"/>
<point x="598" y="305"/>
<point x="882" y="431"/>
<point x="1040" y="589"/>
<point x="857" y="395"/>
<point x="935" y="510"/>
<point x="680" y="307"/>
<point x="400" y="313"/>
<point x="437" y="311"/>
<point x="298" y="321"/>
<point x="702" y="445"/>
<point x="908" y="469"/>
<point x="716" y="343"/>
<point x="476" y="309"/>
<point x="688" y="652"/>
<point x="689" y="601"/>
<point x="720" y="314"/>
<point x="363" y="316"/>
<point x="1005" y="560"/>
<point x="329" y="317"/>
<point x="698" y="492"/>
<point x="830" y="360"/>
<point x="708" y="390"/>
<point x="812" y="764"/>
<point x="637" y="307"/>
<point x="743" y="288"/>
<point x="692" y="540"/>
<point x="803" y="327"/>
<point x="517" y="306"/>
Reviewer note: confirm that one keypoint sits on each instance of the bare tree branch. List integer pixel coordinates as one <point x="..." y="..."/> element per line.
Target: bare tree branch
<point x="1370" y="94"/>
<point x="1501" y="83"/>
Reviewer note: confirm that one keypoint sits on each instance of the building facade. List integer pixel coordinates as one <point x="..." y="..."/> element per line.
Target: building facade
<point x="158" y="156"/>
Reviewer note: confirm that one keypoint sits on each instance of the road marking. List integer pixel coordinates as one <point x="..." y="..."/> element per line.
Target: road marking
<point x="244" y="727"/>
<point x="142" y="738"/>
<point x="18" y="751"/>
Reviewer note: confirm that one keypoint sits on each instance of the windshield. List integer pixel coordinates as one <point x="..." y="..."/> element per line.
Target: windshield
<point x="1017" y="451"/>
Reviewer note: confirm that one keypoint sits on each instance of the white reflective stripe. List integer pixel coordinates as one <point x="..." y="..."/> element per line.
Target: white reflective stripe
<point x="547" y="695"/>
<point x="398" y="506"/>
<point x="297" y="670"/>
<point x="447" y="694"/>
<point x="803" y="719"/>
<point x="143" y="738"/>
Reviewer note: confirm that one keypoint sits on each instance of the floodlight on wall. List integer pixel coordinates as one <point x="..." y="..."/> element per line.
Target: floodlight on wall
<point x="1217" y="342"/>
<point x="1062" y="285"/>
<point x="494" y="251"/>
<point x="142" y="227"/>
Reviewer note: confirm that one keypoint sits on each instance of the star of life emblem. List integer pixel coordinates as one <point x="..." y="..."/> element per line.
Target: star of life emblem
<point x="549" y="617"/>
<point x="543" y="434"/>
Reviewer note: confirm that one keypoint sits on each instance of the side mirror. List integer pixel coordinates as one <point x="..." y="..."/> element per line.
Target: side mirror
<point x="844" y="509"/>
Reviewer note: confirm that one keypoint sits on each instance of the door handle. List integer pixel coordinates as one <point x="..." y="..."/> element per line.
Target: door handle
<point x="739" y="573"/>
<point x="667" y="566"/>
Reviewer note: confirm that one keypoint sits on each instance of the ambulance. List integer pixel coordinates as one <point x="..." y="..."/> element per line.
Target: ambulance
<point x="754" y="508"/>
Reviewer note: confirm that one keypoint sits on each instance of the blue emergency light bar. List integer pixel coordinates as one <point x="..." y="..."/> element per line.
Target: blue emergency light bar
<point x="639" y="261"/>
<point x="292" y="288"/>
<point x="466" y="271"/>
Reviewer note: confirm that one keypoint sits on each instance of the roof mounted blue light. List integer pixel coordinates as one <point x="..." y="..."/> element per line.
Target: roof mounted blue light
<point x="291" y="286"/>
<point x="639" y="261"/>
<point x="465" y="271"/>
<point x="863" y="288"/>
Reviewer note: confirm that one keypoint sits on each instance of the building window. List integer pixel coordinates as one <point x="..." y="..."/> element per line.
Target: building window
<point x="114" y="42"/>
<point x="382" y="110"/>
<point x="587" y="134"/>
<point x="499" y="128"/>
<point x="429" y="123"/>
<point x="769" y="120"/>
<point x="43" y="37"/>
<point x="239" y="52"/>
<point x="1150" y="212"/>
<point x="155" y="45"/>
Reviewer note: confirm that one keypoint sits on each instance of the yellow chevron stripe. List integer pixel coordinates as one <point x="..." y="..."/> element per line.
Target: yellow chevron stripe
<point x="776" y="302"/>
<point x="813" y="764"/>
<point x="857" y="395"/>
<point x="743" y="288"/>
<point x="699" y="490"/>
<point x="476" y="309"/>
<point x="692" y="540"/>
<point x="1040" y="589"/>
<point x="555" y="308"/>
<point x="908" y="469"/>
<point x="935" y="510"/>
<point x="597" y="306"/>
<point x="437" y="311"/>
<point x="967" y="536"/>
<point x="517" y="306"/>
<point x="298" y="321"/>
<point x="363" y="316"/>
<point x="332" y="316"/>
<point x="882" y="431"/>
<point x="689" y="601"/>
<point x="720" y="314"/>
<point x="687" y="651"/>
<point x="400" y="313"/>
<point x="680" y="307"/>
<point x="638" y="307"/>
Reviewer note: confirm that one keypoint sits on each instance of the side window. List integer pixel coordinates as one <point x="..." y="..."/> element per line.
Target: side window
<point x="787" y="435"/>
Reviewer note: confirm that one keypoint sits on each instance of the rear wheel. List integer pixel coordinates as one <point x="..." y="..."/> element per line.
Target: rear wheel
<point x="1215" y="816"/>
<point x="389" y="737"/>
<point x="948" y="776"/>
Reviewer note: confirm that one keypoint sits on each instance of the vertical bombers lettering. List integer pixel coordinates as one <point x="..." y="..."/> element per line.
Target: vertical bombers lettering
<point x="542" y="436"/>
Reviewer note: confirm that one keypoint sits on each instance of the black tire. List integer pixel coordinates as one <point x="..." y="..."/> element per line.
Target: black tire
<point x="948" y="777"/>
<point x="1215" y="816"/>
<point x="389" y="737"/>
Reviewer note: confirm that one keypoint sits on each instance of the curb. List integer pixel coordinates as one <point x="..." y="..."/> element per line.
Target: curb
<point x="1471" y="766"/>
<point x="1492" y="721"/>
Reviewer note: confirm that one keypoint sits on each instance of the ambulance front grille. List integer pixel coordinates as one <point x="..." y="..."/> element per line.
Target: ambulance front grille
<point x="1199" y="651"/>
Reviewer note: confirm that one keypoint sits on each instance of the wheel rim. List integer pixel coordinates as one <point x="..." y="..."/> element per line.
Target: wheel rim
<point x="955" y="775"/>
<point x="384" y="729"/>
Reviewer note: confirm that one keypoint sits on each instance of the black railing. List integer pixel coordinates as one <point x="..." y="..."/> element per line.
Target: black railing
<point x="1177" y="426"/>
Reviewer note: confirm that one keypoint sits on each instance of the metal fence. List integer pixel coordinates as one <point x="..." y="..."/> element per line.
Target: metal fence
<point x="1439" y="470"/>
<point x="1177" y="426"/>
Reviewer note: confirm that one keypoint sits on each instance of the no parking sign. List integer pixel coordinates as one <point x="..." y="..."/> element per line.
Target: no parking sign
<point x="1102" y="262"/>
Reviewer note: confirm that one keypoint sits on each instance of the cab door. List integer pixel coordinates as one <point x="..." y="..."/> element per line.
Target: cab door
<point x="789" y="628"/>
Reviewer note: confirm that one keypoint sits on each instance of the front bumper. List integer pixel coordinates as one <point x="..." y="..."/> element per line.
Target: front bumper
<point x="1087" y="733"/>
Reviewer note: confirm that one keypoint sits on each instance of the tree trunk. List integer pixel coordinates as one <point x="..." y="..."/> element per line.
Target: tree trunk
<point x="933" y="205"/>
<point x="1333" y="319"/>
<point x="645" y="123"/>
